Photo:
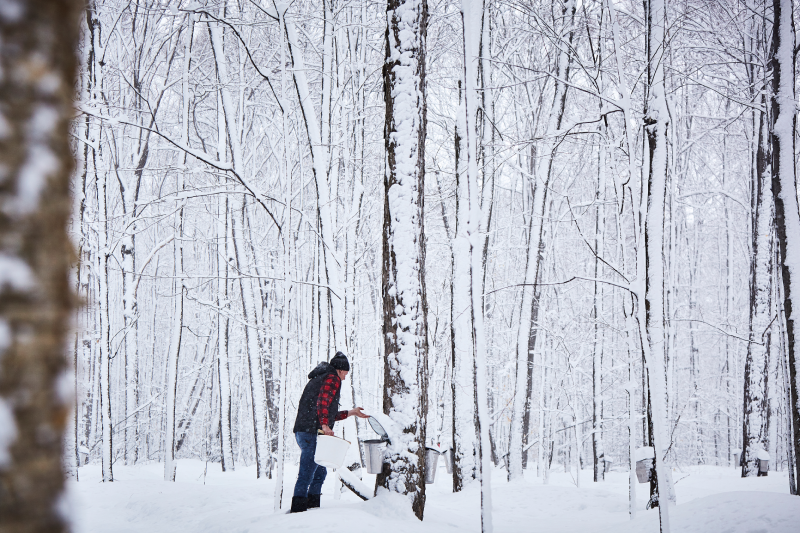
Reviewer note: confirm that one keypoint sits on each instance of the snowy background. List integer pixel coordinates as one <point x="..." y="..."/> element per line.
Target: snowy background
<point x="234" y="205"/>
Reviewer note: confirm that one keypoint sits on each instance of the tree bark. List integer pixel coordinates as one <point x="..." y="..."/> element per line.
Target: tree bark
<point x="463" y="362"/>
<point x="754" y="426"/>
<point x="784" y="191"/>
<point x="37" y="41"/>
<point x="403" y="288"/>
<point x="651" y="315"/>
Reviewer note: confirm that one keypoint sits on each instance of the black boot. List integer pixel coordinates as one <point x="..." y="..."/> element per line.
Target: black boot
<point x="313" y="501"/>
<point x="299" y="504"/>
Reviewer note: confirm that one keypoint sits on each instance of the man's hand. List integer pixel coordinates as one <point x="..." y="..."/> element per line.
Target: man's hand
<point x="357" y="412"/>
<point x="326" y="430"/>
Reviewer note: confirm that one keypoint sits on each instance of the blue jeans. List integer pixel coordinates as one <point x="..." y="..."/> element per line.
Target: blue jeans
<point x="311" y="475"/>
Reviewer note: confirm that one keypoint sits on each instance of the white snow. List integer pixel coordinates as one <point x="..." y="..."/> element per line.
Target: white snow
<point x="644" y="453"/>
<point x="41" y="161"/>
<point x="14" y="273"/>
<point x="710" y="499"/>
<point x="762" y="455"/>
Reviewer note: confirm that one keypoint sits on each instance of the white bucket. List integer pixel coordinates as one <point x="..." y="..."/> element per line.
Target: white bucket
<point x="330" y="451"/>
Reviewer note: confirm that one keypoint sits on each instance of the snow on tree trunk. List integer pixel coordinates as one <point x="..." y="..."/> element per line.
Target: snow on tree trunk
<point x="598" y="454"/>
<point x="625" y="104"/>
<point x="105" y="333"/>
<point x="784" y="191"/>
<point x="403" y="288"/>
<point x="223" y="366"/>
<point x="650" y="263"/>
<point x="37" y="42"/>
<point x="472" y="12"/>
<point x="127" y="249"/>
<point x="171" y="384"/>
<point x="754" y="427"/>
<point x="463" y="378"/>
<point x="287" y="294"/>
<point x="102" y="400"/>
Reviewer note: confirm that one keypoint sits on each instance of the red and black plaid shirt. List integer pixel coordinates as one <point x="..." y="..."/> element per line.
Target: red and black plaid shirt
<point x="326" y="393"/>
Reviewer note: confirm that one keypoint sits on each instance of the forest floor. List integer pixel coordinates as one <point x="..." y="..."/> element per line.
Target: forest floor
<point x="710" y="499"/>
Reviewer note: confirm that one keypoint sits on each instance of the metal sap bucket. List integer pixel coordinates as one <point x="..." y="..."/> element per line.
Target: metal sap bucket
<point x="643" y="470"/>
<point x="373" y="455"/>
<point x="448" y="460"/>
<point x="431" y="460"/>
<point x="763" y="467"/>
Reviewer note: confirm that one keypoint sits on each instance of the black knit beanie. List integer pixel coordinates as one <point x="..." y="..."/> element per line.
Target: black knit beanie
<point x="340" y="362"/>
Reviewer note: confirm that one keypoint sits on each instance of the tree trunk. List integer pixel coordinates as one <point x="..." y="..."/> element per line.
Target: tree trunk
<point x="754" y="426"/>
<point x="403" y="288"/>
<point x="784" y="191"/>
<point x="223" y="366"/>
<point x="35" y="294"/>
<point x="651" y="315"/>
<point x="472" y="12"/>
<point x="463" y="362"/>
<point x="171" y="384"/>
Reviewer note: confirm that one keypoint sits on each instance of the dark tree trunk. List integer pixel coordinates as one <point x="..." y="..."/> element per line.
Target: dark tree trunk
<point x="403" y="289"/>
<point x="756" y="401"/>
<point x="784" y="187"/>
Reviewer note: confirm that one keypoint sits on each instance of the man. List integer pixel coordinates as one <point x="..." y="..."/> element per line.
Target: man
<point x="318" y="412"/>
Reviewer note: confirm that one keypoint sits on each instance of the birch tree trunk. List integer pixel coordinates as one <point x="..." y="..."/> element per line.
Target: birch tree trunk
<point x="35" y="294"/>
<point x="403" y="288"/>
<point x="784" y="191"/>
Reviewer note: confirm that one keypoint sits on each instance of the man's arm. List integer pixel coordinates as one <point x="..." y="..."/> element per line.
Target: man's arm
<point x="326" y="394"/>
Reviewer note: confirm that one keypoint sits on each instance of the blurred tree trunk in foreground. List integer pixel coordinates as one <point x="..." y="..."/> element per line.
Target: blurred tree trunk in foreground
<point x="37" y="61"/>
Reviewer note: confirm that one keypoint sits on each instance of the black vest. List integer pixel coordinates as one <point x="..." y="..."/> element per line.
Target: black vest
<point x="307" y="419"/>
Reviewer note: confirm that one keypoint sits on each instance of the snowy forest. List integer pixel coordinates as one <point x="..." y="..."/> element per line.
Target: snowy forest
<point x="558" y="240"/>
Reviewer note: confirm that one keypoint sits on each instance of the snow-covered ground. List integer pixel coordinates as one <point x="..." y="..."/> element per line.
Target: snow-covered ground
<point x="710" y="499"/>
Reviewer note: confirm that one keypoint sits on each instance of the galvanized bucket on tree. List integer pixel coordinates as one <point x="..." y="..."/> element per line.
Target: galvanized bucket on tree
<point x="448" y="460"/>
<point x="373" y="455"/>
<point x="644" y="463"/>
<point x="431" y="460"/>
<point x="763" y="462"/>
<point x="643" y="470"/>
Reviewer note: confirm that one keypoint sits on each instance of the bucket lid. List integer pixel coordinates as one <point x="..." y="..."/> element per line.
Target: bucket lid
<point x="378" y="428"/>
